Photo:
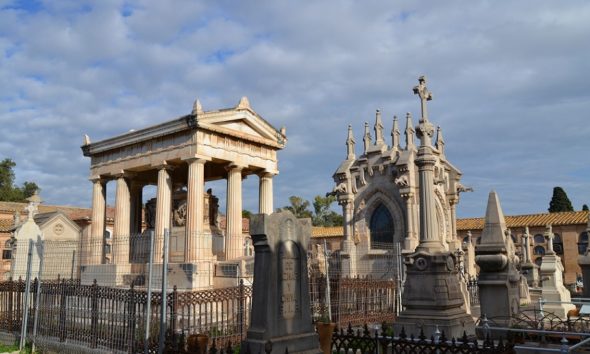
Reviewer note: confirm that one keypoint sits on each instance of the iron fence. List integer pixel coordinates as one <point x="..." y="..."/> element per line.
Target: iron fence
<point x="114" y="318"/>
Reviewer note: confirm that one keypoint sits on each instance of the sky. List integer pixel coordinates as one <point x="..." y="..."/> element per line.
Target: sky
<point x="510" y="81"/>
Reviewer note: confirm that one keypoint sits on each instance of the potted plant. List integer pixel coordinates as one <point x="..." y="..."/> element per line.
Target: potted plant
<point x="325" y="328"/>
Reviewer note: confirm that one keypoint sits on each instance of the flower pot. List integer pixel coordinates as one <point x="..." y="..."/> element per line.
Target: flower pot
<point x="325" y="332"/>
<point x="197" y="343"/>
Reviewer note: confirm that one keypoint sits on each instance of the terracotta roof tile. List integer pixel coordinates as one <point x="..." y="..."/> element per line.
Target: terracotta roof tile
<point x="563" y="218"/>
<point x="6" y="225"/>
<point x="331" y="231"/>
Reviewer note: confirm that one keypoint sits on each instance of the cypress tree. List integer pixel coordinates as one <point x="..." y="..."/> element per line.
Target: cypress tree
<point x="560" y="201"/>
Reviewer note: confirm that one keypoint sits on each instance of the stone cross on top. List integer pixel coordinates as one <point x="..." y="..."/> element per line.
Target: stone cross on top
<point x="425" y="95"/>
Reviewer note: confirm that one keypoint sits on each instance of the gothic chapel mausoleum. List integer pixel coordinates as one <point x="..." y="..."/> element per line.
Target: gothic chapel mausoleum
<point x="178" y="157"/>
<point x="379" y="194"/>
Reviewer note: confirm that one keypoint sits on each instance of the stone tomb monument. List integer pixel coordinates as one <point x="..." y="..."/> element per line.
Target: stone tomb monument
<point x="552" y="279"/>
<point x="280" y="299"/>
<point x="433" y="294"/>
<point x="499" y="280"/>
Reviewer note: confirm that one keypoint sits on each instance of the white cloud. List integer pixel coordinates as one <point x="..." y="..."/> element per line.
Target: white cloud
<point x="509" y="81"/>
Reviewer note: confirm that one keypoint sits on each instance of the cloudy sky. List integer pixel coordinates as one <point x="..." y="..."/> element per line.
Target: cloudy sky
<point x="510" y="83"/>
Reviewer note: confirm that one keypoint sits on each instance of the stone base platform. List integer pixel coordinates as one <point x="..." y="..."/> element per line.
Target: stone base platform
<point x="307" y="343"/>
<point x="452" y="322"/>
<point x="105" y="274"/>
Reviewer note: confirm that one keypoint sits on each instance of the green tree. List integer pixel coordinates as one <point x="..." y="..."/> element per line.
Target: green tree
<point x="299" y="207"/>
<point x="246" y="214"/>
<point x="8" y="191"/>
<point x="585" y="207"/>
<point x="560" y="201"/>
<point x="323" y="216"/>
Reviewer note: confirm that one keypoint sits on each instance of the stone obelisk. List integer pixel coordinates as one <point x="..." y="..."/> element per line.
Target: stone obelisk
<point x="499" y="280"/>
<point x="432" y="293"/>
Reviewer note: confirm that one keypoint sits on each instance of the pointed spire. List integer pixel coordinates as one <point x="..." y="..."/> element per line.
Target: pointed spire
<point x="440" y="141"/>
<point x="409" y="132"/>
<point x="395" y="134"/>
<point x="244" y="103"/>
<point x="495" y="225"/>
<point x="367" y="138"/>
<point x="379" y="140"/>
<point x="350" y="144"/>
<point x="197" y="108"/>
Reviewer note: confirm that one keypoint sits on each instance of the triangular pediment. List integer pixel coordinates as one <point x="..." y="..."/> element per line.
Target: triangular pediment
<point x="242" y="121"/>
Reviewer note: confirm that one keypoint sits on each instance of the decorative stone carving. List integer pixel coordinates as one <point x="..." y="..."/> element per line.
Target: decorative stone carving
<point x="179" y="213"/>
<point x="402" y="181"/>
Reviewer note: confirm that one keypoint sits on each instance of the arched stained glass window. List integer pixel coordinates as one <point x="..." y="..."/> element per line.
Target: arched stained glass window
<point x="381" y="227"/>
<point x="583" y="242"/>
<point x="539" y="250"/>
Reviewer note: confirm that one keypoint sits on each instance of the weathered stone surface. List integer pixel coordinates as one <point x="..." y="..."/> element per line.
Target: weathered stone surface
<point x="553" y="291"/>
<point x="499" y="280"/>
<point x="280" y="300"/>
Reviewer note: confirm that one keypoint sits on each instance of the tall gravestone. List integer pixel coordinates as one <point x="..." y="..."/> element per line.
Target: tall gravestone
<point x="529" y="269"/>
<point x="553" y="290"/>
<point x="280" y="300"/>
<point x="499" y="280"/>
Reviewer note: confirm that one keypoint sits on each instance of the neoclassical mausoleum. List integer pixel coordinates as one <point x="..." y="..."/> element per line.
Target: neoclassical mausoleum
<point x="179" y="156"/>
<point x="378" y="192"/>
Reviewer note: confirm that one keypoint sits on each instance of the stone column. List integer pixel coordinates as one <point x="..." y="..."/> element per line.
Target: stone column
<point x="136" y="207"/>
<point x="122" y="225"/>
<point x="233" y="232"/>
<point x="163" y="206"/>
<point x="194" y="247"/>
<point x="348" y="246"/>
<point x="265" y="196"/>
<point x="411" y="240"/>
<point x="95" y="246"/>
<point x="429" y="237"/>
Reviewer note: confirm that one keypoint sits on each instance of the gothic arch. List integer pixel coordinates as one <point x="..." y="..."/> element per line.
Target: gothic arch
<point x="372" y="199"/>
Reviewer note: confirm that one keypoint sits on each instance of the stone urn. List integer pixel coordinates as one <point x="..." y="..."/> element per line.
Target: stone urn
<point x="325" y="331"/>
<point x="197" y="343"/>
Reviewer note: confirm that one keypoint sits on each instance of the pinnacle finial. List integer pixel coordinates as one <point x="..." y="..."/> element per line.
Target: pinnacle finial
<point x="409" y="131"/>
<point x="378" y="128"/>
<point x="395" y="134"/>
<point x="197" y="108"/>
<point x="244" y="103"/>
<point x="350" y="143"/>
<point x="86" y="140"/>
<point x="366" y="138"/>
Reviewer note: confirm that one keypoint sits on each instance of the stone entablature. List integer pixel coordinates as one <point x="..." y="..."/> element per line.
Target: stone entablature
<point x="237" y="135"/>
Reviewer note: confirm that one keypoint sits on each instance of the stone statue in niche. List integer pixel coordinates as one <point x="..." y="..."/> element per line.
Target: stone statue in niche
<point x="179" y="214"/>
<point x="150" y="213"/>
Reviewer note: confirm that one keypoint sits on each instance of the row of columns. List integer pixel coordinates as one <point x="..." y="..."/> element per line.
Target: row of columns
<point x="128" y="212"/>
